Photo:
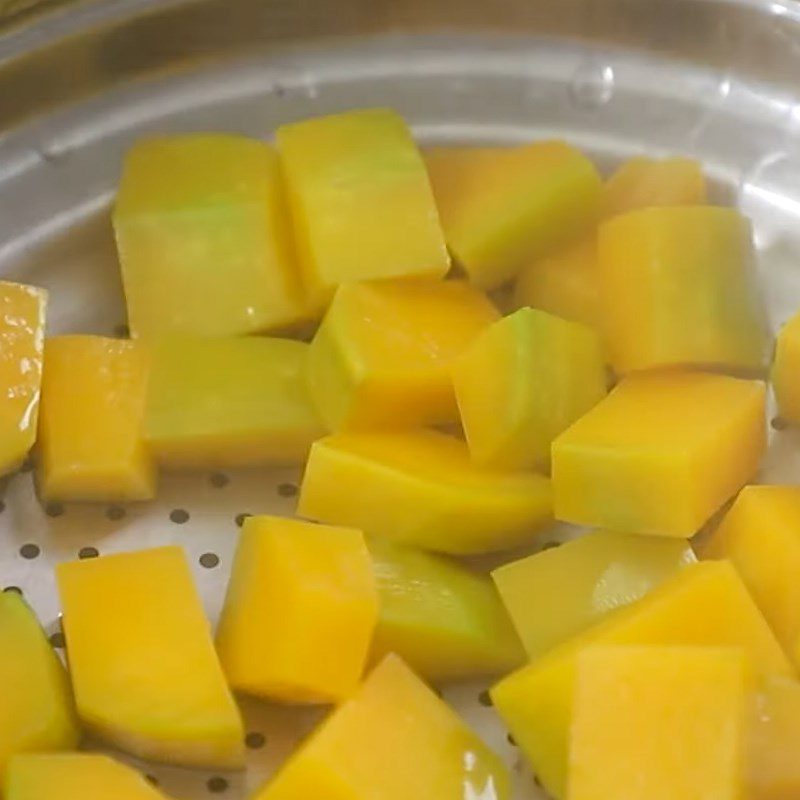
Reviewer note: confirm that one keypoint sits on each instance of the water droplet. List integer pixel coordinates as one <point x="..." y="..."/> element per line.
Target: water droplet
<point x="54" y="151"/>
<point x="782" y="8"/>
<point x="592" y="85"/>
<point x="309" y="87"/>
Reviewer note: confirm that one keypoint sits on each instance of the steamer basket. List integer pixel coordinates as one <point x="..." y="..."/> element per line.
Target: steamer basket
<point x="80" y="81"/>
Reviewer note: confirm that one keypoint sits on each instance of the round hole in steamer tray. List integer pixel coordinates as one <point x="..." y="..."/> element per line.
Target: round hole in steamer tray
<point x="115" y="513"/>
<point x="30" y="551"/>
<point x="217" y="784"/>
<point x="484" y="698"/>
<point x="255" y="740"/>
<point x="209" y="560"/>
<point x="54" y="509"/>
<point x="219" y="480"/>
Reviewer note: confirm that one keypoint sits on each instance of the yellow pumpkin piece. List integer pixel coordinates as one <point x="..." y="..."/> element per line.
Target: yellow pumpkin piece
<point x="300" y="611"/>
<point x="143" y="666"/>
<point x="760" y="534"/>
<point x="36" y="710"/>
<point x="229" y="402"/>
<point x="22" y="319"/>
<point x="91" y="442"/>
<point x="644" y="182"/>
<point x="774" y="769"/>
<point x="659" y="723"/>
<point x="501" y="207"/>
<point x="443" y="619"/>
<point x="704" y="604"/>
<point x="786" y="371"/>
<point x="393" y="739"/>
<point x="523" y="381"/>
<point x="660" y="454"/>
<point x="75" y="776"/>
<point x="361" y="201"/>
<point x="678" y="288"/>
<point x="204" y="238"/>
<point x="567" y="282"/>
<point x="603" y="570"/>
<point x="564" y="283"/>
<point x="382" y="356"/>
<point x="420" y="488"/>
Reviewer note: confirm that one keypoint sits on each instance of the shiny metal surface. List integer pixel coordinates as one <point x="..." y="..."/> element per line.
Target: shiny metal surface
<point x="80" y="81"/>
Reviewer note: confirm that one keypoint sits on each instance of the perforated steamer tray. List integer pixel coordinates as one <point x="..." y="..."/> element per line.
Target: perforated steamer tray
<point x="618" y="77"/>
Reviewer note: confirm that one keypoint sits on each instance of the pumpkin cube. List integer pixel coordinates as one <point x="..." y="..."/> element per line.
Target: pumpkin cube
<point x="645" y="182"/>
<point x="393" y="739"/>
<point x="522" y="382"/>
<point x="704" y="604"/>
<point x="420" y="488"/>
<point x="659" y="723"/>
<point x="774" y="769"/>
<point x="230" y="402"/>
<point x="300" y="611"/>
<point x="564" y="283"/>
<point x="382" y="356"/>
<point x="567" y="281"/>
<point x="760" y="534"/>
<point x="75" y="776"/>
<point x="786" y="371"/>
<point x="361" y="201"/>
<point x="442" y="618"/>
<point x="22" y="319"/>
<point x="678" y="288"/>
<point x="603" y="570"/>
<point x="501" y="207"/>
<point x="36" y="709"/>
<point x="204" y="238"/>
<point x="660" y="454"/>
<point x="91" y="441"/>
<point x="144" y="670"/>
